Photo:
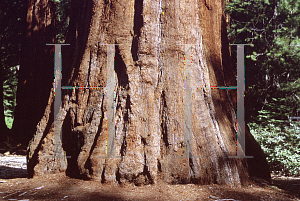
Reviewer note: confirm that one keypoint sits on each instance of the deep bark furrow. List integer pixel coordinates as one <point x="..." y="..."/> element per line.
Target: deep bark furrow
<point x="138" y="24"/>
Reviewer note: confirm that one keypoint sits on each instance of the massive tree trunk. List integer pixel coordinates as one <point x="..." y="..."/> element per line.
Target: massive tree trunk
<point x="151" y="113"/>
<point x="36" y="69"/>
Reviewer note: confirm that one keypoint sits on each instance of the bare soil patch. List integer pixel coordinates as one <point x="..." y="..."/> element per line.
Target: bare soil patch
<point x="61" y="187"/>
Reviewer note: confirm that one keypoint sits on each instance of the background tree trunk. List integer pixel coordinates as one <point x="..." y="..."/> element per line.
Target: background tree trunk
<point x="149" y="70"/>
<point x="36" y="69"/>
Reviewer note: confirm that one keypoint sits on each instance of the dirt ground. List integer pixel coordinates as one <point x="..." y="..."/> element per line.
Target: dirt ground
<point x="60" y="187"/>
<point x="14" y="185"/>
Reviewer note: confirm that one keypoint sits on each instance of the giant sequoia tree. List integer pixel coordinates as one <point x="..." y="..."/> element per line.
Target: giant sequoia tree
<point x="151" y="79"/>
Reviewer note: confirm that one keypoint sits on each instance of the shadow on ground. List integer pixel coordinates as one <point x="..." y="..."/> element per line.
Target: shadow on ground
<point x="12" y="173"/>
<point x="288" y="184"/>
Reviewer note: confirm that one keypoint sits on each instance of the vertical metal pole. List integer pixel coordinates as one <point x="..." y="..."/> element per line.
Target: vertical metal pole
<point x="240" y="99"/>
<point x="188" y="128"/>
<point x="240" y="102"/>
<point x="57" y="138"/>
<point x="57" y="104"/>
<point x="187" y="102"/>
<point x="110" y="86"/>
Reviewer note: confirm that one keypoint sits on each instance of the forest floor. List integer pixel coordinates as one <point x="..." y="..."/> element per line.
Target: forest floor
<point x="15" y="186"/>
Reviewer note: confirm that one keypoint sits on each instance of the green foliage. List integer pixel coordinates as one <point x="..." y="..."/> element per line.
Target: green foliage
<point x="9" y="94"/>
<point x="271" y="74"/>
<point x="281" y="146"/>
<point x="278" y="137"/>
<point x="9" y="121"/>
<point x="273" y="28"/>
<point x="62" y="19"/>
<point x="12" y="19"/>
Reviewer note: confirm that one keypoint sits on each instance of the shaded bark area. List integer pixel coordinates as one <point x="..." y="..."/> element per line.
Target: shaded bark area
<point x="149" y="103"/>
<point x="36" y="69"/>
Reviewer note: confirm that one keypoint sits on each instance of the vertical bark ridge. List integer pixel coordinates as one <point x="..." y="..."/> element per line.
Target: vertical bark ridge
<point x="90" y="131"/>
